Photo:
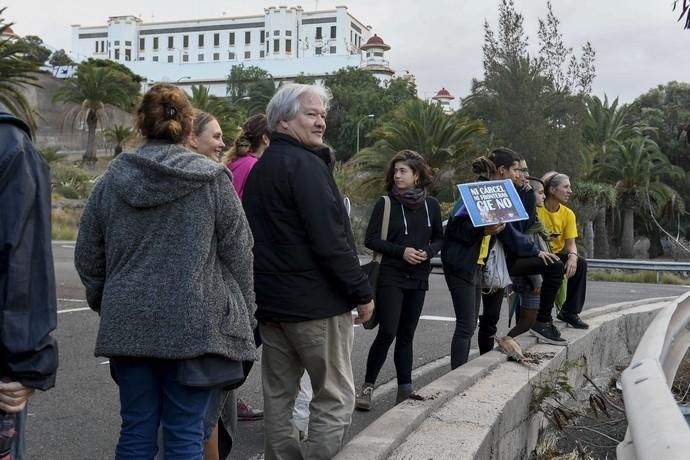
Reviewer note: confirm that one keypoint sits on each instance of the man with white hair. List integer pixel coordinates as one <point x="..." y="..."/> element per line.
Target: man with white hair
<point x="307" y="278"/>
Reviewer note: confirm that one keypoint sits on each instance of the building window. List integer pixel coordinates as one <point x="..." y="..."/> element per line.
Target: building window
<point x="231" y="56"/>
<point x="200" y="57"/>
<point x="318" y="33"/>
<point x="128" y="43"/>
<point x="117" y="54"/>
<point x="262" y="54"/>
<point x="276" y="33"/>
<point x="201" y="40"/>
<point x="128" y="54"/>
<point x="276" y="46"/>
<point x="96" y="47"/>
<point x="142" y="42"/>
<point x="351" y="35"/>
<point x="378" y="53"/>
<point x="171" y="42"/>
<point x="185" y="58"/>
<point x="170" y="59"/>
<point x="154" y="58"/>
<point x="141" y="58"/>
<point x="317" y="51"/>
<point x="102" y="46"/>
<point x="155" y="43"/>
<point x="117" y="43"/>
<point x="332" y="50"/>
<point x="288" y="33"/>
<point x="288" y="46"/>
<point x="262" y="36"/>
<point x="185" y="41"/>
<point x="333" y="29"/>
<point x="216" y="56"/>
<point x="216" y="40"/>
<point x="247" y="37"/>
<point x="232" y="39"/>
<point x="247" y="54"/>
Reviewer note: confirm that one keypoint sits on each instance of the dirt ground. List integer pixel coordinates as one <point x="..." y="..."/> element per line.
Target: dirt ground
<point x="594" y="433"/>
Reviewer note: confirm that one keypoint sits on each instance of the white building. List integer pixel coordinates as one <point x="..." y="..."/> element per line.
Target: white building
<point x="286" y="42"/>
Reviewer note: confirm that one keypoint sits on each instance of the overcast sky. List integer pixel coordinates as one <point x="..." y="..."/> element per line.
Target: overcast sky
<point x="639" y="44"/>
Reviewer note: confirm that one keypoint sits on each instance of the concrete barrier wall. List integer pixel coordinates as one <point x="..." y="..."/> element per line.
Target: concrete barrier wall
<point x="481" y="410"/>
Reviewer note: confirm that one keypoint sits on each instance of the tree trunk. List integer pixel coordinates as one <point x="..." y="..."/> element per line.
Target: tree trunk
<point x="117" y="151"/>
<point x="601" y="235"/>
<point x="656" y="249"/>
<point x="589" y="237"/>
<point x="90" y="155"/>
<point x="628" y="234"/>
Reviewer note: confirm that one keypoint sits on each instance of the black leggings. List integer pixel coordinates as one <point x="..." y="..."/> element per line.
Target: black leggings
<point x="577" y="287"/>
<point x="398" y="311"/>
<point x="466" y="296"/>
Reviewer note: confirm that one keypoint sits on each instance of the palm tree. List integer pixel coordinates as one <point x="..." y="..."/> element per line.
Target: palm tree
<point x="16" y="72"/>
<point x="118" y="136"/>
<point x="637" y="167"/>
<point x="604" y="125"/>
<point x="589" y="200"/>
<point x="92" y="91"/>
<point x="446" y="142"/>
<point x="229" y="115"/>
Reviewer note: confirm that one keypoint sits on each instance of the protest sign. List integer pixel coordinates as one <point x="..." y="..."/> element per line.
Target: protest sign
<point x="491" y="202"/>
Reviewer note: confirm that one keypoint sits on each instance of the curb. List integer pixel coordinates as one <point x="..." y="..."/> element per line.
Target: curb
<point x="390" y="431"/>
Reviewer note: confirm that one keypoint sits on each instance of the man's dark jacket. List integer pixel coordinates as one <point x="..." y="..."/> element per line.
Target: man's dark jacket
<point x="305" y="261"/>
<point x="28" y="304"/>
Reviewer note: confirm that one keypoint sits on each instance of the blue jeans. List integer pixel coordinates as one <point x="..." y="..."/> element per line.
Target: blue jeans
<point x="151" y="395"/>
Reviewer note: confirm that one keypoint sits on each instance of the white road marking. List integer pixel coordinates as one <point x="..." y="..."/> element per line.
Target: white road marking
<point x="438" y="318"/>
<point x="73" y="310"/>
<point x="105" y="362"/>
<point x="68" y="246"/>
<point x="72" y="300"/>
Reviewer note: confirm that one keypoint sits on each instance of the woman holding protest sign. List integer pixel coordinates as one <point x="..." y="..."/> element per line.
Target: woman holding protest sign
<point x="464" y="255"/>
<point x="415" y="234"/>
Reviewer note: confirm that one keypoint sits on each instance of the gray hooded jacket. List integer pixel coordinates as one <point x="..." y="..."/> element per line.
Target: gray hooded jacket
<point x="165" y="253"/>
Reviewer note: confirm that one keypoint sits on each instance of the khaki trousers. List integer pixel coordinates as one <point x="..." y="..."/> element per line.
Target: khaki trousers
<point x="322" y="348"/>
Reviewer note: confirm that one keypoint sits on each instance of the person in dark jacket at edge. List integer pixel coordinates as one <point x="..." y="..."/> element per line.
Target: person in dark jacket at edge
<point x="28" y="303"/>
<point x="307" y="278"/>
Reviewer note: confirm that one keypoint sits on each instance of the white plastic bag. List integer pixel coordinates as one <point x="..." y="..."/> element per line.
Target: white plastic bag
<point x="495" y="272"/>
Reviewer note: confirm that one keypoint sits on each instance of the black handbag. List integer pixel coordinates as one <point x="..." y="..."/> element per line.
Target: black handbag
<point x="372" y="268"/>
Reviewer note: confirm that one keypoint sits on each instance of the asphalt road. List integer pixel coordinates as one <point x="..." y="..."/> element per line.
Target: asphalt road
<point x="79" y="419"/>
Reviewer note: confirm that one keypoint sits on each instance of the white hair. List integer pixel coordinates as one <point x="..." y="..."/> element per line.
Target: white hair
<point x="285" y="103"/>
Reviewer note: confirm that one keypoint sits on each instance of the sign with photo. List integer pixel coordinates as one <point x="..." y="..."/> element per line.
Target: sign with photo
<point x="491" y="202"/>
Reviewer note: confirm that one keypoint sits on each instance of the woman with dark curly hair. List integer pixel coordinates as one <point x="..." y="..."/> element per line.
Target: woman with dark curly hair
<point x="415" y="234"/>
<point x="246" y="150"/>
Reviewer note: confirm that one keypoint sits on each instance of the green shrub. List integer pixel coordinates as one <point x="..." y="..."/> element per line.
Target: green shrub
<point x="71" y="181"/>
<point x="650" y="277"/>
<point x="65" y="222"/>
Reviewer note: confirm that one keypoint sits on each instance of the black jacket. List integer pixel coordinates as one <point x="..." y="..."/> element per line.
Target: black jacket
<point x="28" y="303"/>
<point x="461" y="244"/>
<point x="424" y="231"/>
<point x="305" y="261"/>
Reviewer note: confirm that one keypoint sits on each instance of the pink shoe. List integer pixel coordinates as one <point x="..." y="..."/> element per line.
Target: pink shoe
<point x="246" y="413"/>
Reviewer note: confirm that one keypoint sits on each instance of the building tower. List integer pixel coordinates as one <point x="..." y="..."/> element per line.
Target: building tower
<point x="374" y="60"/>
<point x="443" y="99"/>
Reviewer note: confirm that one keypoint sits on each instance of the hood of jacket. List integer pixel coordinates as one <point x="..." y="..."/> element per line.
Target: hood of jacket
<point x="160" y="173"/>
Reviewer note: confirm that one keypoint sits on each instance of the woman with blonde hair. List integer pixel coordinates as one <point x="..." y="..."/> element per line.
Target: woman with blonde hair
<point x="164" y="251"/>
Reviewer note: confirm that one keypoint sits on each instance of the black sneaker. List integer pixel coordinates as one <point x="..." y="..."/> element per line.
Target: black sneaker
<point x="572" y="319"/>
<point x="547" y="332"/>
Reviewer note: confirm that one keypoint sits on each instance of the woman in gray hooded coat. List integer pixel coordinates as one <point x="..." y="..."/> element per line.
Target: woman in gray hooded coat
<point x="164" y="251"/>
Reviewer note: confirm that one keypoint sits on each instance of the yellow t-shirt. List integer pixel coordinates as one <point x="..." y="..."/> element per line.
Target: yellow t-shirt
<point x="562" y="223"/>
<point x="484" y="250"/>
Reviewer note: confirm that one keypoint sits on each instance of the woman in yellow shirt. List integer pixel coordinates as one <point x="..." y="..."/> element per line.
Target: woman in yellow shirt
<point x="560" y="221"/>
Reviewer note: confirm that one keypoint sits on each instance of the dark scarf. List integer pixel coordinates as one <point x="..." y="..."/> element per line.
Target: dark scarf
<point x="410" y="198"/>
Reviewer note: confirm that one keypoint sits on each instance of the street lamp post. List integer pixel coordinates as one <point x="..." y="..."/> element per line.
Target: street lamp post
<point x="371" y="115"/>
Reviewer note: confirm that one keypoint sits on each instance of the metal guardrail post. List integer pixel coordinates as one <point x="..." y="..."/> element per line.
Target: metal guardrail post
<point x="656" y="428"/>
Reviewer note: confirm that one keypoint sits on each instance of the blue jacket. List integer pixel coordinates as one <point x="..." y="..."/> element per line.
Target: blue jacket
<point x="28" y="304"/>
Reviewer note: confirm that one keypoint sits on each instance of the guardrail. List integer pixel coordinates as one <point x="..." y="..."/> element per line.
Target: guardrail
<point x="656" y="427"/>
<point x="623" y="264"/>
